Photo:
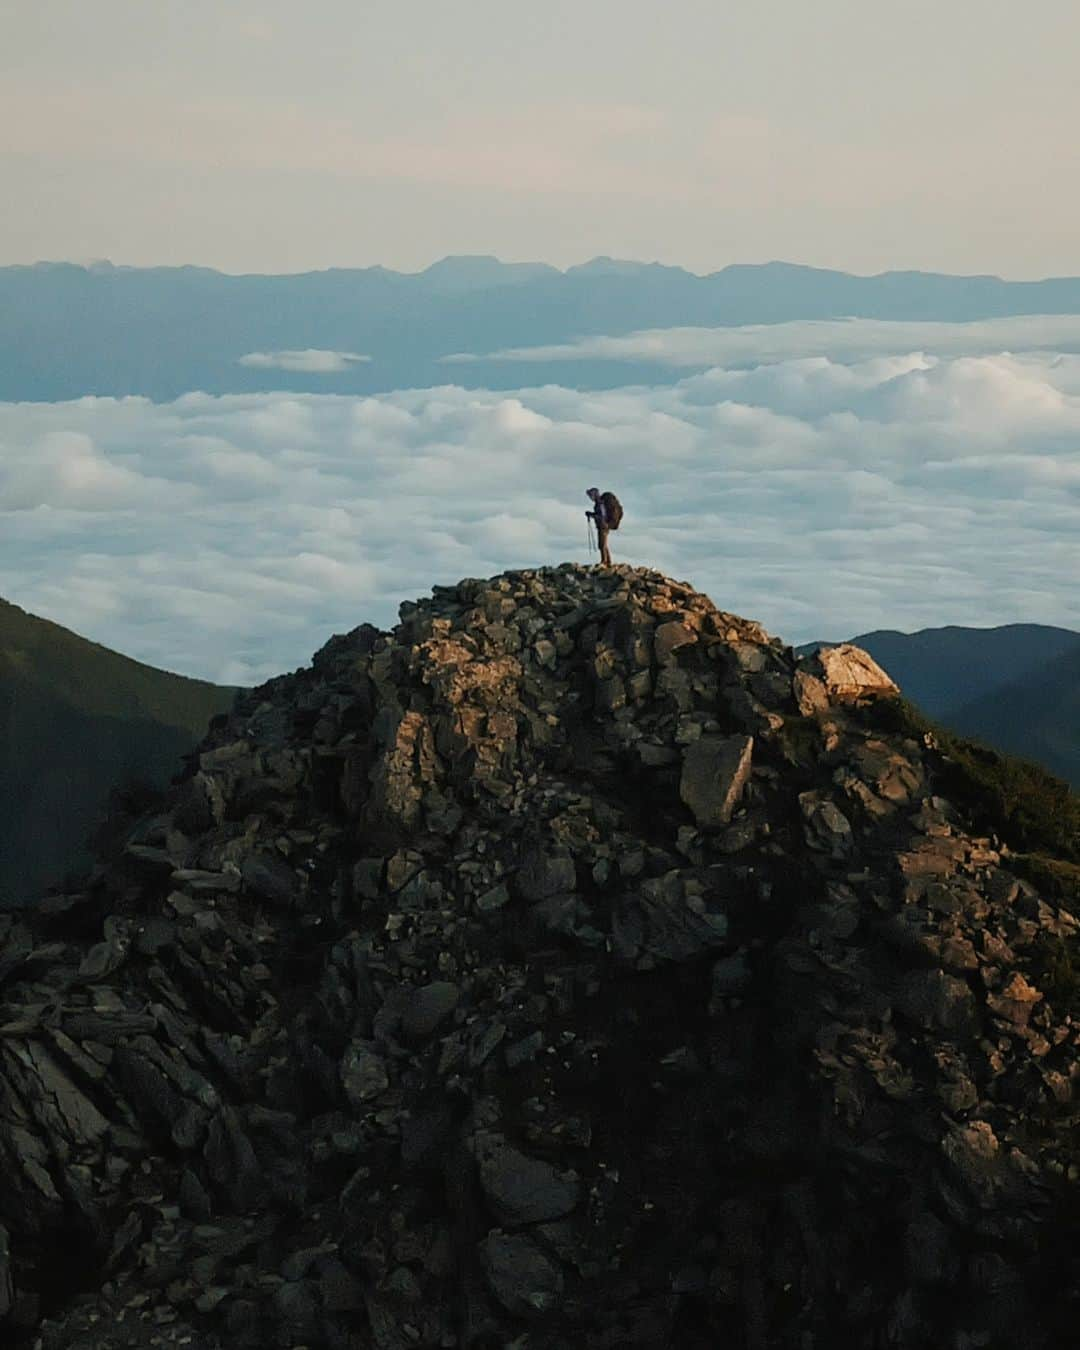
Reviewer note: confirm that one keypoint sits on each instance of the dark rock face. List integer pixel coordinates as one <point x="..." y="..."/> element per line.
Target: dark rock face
<point x="569" y="968"/>
<point x="715" y="771"/>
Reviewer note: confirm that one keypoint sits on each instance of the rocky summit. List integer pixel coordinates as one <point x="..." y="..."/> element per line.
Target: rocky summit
<point x="572" y="966"/>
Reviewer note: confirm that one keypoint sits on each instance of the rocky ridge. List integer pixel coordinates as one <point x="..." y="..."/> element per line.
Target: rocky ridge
<point x="570" y="967"/>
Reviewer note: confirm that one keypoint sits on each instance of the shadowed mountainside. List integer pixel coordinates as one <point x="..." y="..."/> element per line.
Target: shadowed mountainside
<point x="77" y="720"/>
<point x="1037" y="716"/>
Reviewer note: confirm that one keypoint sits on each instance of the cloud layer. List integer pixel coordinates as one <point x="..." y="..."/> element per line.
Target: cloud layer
<point x="228" y="537"/>
<point x="310" y="361"/>
<point x="839" y="339"/>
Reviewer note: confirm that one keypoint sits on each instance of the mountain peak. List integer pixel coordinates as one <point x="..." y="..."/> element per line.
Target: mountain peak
<point x="573" y="963"/>
<point x="467" y="272"/>
<point x="623" y="267"/>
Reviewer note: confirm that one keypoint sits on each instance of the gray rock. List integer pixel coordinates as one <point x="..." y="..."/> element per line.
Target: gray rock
<point x="367" y="877"/>
<point x="341" y="1290"/>
<point x="521" y="1189"/>
<point x="669" y="637"/>
<point x="730" y="975"/>
<point x="611" y="694"/>
<point x="152" y="935"/>
<point x="202" y="882"/>
<point x="827" y="828"/>
<point x="295" y="1309"/>
<point x="772" y="689"/>
<point x="639" y="685"/>
<point x="102" y="960"/>
<point x="71" y="1112"/>
<point x="656" y="756"/>
<point x="484" y="1038"/>
<point x="363" y="1074"/>
<point x="270" y="878"/>
<point x="542" y="874"/>
<point x="937" y="1002"/>
<point x="426" y="1008"/>
<point x="494" y="899"/>
<point x="193" y="1198"/>
<point x="525" y="1281"/>
<point x="525" y="1050"/>
<point x="647" y="930"/>
<point x="750" y="657"/>
<point x="715" y="772"/>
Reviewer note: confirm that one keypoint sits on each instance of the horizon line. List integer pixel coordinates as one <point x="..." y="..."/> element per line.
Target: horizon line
<point x="597" y="263"/>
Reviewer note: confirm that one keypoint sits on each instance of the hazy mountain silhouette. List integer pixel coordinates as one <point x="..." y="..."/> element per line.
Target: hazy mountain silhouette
<point x="68" y="330"/>
<point x="1016" y="687"/>
<point x="76" y="720"/>
<point x="461" y="274"/>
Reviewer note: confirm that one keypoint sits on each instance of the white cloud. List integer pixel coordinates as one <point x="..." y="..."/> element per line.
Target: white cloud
<point x="64" y="468"/>
<point x="228" y="537"/>
<point x="837" y="339"/>
<point x="310" y="361"/>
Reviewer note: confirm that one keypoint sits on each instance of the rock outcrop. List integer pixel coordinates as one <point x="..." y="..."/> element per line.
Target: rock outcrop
<point x="570" y="967"/>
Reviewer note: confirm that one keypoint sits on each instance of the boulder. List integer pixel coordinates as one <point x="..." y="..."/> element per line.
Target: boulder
<point x="543" y="874"/>
<point x="525" y="1281"/>
<point x="811" y="695"/>
<point x="827" y="828"/>
<point x="270" y="878"/>
<point x="714" y="773"/>
<point x="669" y="637"/>
<point x="937" y="1002"/>
<point x="849" y="674"/>
<point x="520" y="1189"/>
<point x="425" y="1009"/>
<point x="363" y="1074"/>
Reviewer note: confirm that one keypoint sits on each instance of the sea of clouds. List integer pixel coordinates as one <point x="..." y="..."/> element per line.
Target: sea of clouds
<point x="824" y="495"/>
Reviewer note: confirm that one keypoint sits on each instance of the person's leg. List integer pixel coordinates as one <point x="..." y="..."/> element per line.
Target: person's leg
<point x="605" y="556"/>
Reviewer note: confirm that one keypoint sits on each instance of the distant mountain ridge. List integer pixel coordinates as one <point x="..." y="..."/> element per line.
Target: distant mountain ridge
<point x="163" y="331"/>
<point x="1015" y="687"/>
<point x="77" y="720"/>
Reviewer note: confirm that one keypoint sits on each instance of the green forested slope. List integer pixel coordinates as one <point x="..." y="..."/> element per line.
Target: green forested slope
<point x="75" y="720"/>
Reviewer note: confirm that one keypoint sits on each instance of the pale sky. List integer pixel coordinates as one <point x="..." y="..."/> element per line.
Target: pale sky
<point x="272" y="136"/>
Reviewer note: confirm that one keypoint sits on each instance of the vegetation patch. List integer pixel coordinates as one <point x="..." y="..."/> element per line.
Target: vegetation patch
<point x="1023" y="804"/>
<point x="1058" y="973"/>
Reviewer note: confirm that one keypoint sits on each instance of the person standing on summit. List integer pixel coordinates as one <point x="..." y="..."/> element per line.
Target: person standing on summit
<point x="606" y="515"/>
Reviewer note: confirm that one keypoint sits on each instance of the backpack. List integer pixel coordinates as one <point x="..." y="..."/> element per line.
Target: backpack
<point x="612" y="509"/>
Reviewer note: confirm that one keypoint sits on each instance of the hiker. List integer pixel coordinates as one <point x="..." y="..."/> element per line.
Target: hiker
<point x="606" y="515"/>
